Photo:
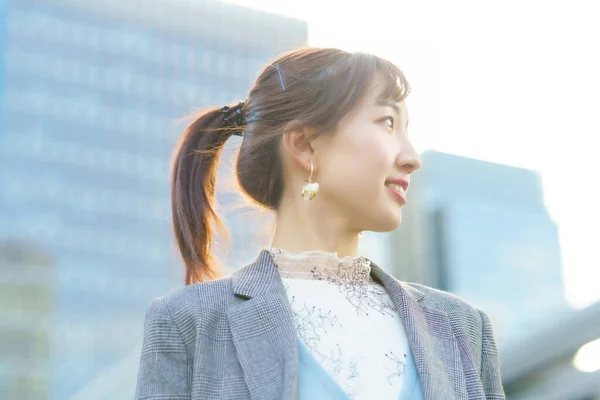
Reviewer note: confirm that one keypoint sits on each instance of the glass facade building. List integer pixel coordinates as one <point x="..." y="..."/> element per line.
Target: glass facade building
<point x="481" y="230"/>
<point x="92" y="95"/>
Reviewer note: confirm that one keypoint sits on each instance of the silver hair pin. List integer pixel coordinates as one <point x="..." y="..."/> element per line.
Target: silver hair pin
<point x="280" y="76"/>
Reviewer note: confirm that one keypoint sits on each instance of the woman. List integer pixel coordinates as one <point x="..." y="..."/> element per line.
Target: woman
<point x="325" y="147"/>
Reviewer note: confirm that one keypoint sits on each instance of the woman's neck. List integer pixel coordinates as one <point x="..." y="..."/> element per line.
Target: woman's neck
<point x="298" y="230"/>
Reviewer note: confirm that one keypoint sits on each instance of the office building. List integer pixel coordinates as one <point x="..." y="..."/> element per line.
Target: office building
<point x="481" y="230"/>
<point x="92" y="93"/>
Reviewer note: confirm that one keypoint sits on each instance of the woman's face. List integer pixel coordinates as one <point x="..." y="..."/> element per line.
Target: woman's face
<point x="364" y="167"/>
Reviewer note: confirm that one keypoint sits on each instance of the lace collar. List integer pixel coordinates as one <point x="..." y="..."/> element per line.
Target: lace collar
<point x="322" y="265"/>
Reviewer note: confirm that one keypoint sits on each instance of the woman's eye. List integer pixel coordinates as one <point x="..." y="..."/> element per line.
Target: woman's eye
<point x="389" y="120"/>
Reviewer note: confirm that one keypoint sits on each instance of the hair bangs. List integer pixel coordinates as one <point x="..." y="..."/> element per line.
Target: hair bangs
<point x="377" y="73"/>
<point x="351" y="78"/>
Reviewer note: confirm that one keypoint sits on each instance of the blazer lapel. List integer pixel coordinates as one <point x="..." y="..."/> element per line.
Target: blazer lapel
<point x="434" y="346"/>
<point x="263" y="331"/>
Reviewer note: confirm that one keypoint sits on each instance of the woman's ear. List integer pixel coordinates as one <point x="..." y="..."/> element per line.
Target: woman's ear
<point x="297" y="144"/>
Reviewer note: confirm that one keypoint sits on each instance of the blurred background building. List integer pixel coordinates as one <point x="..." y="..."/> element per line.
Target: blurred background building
<point x="481" y="230"/>
<point x="91" y="99"/>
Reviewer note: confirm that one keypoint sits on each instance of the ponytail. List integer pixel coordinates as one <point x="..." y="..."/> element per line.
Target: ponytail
<point x="193" y="182"/>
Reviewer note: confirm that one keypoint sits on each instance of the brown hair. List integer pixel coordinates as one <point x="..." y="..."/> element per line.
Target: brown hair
<point x="312" y="87"/>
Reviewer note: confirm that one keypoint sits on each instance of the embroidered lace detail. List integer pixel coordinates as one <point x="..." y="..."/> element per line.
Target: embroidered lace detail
<point x="395" y="365"/>
<point x="336" y="305"/>
<point x="352" y="276"/>
<point x="311" y="324"/>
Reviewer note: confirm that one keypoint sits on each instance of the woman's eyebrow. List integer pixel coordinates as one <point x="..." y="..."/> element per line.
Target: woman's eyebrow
<point x="388" y="103"/>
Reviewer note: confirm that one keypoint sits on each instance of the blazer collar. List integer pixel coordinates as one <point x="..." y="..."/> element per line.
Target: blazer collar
<point x="386" y="279"/>
<point x="256" y="278"/>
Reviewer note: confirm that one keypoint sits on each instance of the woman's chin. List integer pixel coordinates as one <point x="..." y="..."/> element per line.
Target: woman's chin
<point x="388" y="222"/>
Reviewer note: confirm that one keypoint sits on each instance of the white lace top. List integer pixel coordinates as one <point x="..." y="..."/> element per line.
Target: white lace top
<point x="347" y="320"/>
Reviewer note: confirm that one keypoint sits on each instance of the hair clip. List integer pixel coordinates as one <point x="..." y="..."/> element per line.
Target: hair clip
<point x="280" y="76"/>
<point x="234" y="117"/>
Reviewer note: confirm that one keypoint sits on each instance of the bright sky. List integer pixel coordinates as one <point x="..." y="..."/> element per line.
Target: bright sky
<point x="514" y="82"/>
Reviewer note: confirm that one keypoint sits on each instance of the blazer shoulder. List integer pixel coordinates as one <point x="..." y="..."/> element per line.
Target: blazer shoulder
<point x="208" y="295"/>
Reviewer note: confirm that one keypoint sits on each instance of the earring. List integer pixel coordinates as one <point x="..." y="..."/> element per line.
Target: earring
<point x="310" y="189"/>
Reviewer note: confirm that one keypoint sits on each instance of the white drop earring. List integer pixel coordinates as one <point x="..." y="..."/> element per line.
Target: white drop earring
<point x="310" y="189"/>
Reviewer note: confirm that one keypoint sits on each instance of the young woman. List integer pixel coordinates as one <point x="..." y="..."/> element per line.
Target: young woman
<point x="325" y="147"/>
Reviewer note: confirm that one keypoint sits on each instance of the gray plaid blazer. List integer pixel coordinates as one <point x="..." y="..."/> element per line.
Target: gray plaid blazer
<point x="234" y="338"/>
